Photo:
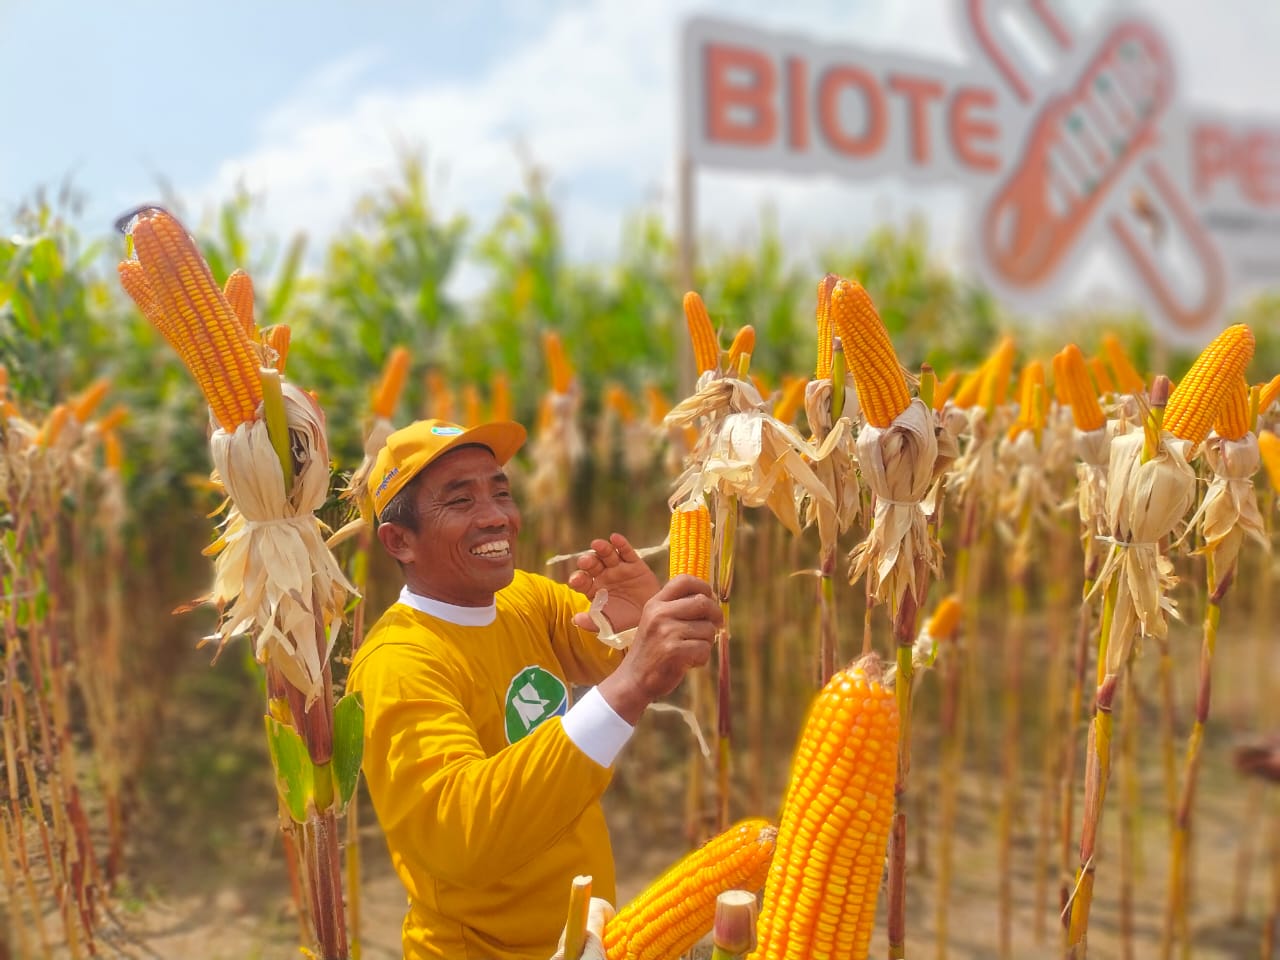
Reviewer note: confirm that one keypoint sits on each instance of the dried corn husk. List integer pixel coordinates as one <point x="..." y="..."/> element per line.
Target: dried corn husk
<point x="1229" y="510"/>
<point x="1145" y="502"/>
<point x="837" y="471"/>
<point x="272" y="568"/>
<point x="556" y="450"/>
<point x="897" y="463"/>
<point x="1030" y="501"/>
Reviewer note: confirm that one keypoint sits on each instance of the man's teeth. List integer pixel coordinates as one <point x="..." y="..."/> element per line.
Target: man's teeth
<point x="498" y="548"/>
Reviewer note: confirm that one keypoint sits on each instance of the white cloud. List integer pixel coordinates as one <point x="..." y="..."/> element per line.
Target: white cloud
<point x="591" y="94"/>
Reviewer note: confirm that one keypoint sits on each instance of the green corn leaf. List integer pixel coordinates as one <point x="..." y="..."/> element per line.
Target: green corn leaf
<point x="348" y="744"/>
<point x="295" y="775"/>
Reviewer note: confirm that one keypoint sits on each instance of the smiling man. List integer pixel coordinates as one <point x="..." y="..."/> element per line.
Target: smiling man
<point x="486" y="781"/>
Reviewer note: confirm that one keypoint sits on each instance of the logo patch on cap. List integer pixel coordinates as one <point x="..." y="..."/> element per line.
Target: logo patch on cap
<point x="446" y="431"/>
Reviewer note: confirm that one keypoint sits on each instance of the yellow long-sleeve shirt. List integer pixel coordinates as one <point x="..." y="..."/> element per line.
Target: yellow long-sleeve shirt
<point x="489" y="809"/>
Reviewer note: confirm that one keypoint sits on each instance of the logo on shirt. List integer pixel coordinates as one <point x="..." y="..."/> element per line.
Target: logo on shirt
<point x="533" y="697"/>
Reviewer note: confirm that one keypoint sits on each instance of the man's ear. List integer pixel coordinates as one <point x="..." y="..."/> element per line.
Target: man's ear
<point x="396" y="541"/>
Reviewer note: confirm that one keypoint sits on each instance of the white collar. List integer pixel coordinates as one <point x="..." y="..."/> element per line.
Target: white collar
<point x="448" y="612"/>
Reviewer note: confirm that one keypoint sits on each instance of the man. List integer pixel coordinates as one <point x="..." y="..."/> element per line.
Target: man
<point x="486" y="782"/>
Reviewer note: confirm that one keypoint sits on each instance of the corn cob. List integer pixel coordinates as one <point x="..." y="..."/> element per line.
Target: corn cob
<point x="706" y="349"/>
<point x="658" y="405"/>
<point x="112" y="451"/>
<point x="996" y="373"/>
<point x="1194" y="404"/>
<point x="825" y="330"/>
<point x="970" y="388"/>
<point x="690" y="547"/>
<point x="1059" y="383"/>
<point x="500" y="397"/>
<point x="945" y="619"/>
<point x="83" y="406"/>
<point x="239" y="293"/>
<point x="1232" y="422"/>
<point x="791" y="401"/>
<point x="882" y="389"/>
<point x="113" y="418"/>
<point x="761" y="384"/>
<point x="1028" y="415"/>
<point x="1126" y="376"/>
<point x="679" y="907"/>
<point x="1270" y="391"/>
<point x="1269" y="450"/>
<point x="1101" y="377"/>
<point x="557" y="363"/>
<point x="472" y="415"/>
<point x="616" y="399"/>
<point x="942" y="393"/>
<point x="394" y="372"/>
<point x="52" y="426"/>
<point x="439" y="397"/>
<point x="1082" y="397"/>
<point x="820" y="897"/>
<point x="174" y="289"/>
<point x="744" y="344"/>
<point x="277" y="338"/>
<point x="4" y="382"/>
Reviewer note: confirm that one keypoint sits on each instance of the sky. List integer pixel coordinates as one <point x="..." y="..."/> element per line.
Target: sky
<point x="307" y="104"/>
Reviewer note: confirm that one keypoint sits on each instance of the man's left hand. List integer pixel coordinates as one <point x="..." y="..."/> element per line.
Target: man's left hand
<point x="615" y="566"/>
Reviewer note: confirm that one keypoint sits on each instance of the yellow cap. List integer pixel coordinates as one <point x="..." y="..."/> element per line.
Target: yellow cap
<point x="411" y="448"/>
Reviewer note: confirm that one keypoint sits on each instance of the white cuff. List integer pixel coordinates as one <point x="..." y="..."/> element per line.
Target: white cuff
<point x="596" y="729"/>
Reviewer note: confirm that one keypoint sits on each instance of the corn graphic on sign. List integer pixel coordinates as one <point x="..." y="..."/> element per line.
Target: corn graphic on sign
<point x="1096" y="150"/>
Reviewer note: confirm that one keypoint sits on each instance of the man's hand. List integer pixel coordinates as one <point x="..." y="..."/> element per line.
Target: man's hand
<point x="674" y="635"/>
<point x="615" y="566"/>
<point x="599" y="913"/>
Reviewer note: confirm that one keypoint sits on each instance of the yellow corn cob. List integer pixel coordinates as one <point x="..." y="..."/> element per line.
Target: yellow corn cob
<point x="791" y="401"/>
<point x="761" y="384"/>
<point x="744" y="342"/>
<point x="1232" y="422"/>
<point x="439" y="397"/>
<point x="82" y="407"/>
<point x="1028" y="416"/>
<point x="970" y="387"/>
<point x="394" y="372"/>
<point x="1269" y="449"/>
<point x="1270" y="391"/>
<point x="239" y="293"/>
<point x="52" y="426"/>
<point x="4" y="381"/>
<point x="942" y="392"/>
<point x="946" y="617"/>
<point x="112" y="451"/>
<point x="7" y="410"/>
<point x="690" y="547"/>
<point x="113" y="418"/>
<point x="995" y="375"/>
<point x="658" y="405"/>
<point x="1081" y="396"/>
<point x="472" y="415"/>
<point x="706" y="349"/>
<point x="500" y="397"/>
<point x="277" y="338"/>
<point x="1059" y="383"/>
<point x="617" y="400"/>
<point x="1193" y="405"/>
<point x="882" y="389"/>
<point x="1100" y="376"/>
<point x="175" y="291"/>
<point x="1127" y="378"/>
<point x="825" y="331"/>
<point x="679" y="908"/>
<point x="820" y="898"/>
<point x="557" y="363"/>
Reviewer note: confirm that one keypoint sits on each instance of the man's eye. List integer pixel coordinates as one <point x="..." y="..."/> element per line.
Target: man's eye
<point x="458" y="502"/>
<point x="503" y="494"/>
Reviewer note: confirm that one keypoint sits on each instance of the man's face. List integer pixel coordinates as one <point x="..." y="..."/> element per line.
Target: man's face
<point x="463" y="550"/>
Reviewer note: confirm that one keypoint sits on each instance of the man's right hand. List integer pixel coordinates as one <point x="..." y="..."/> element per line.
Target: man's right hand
<point x="675" y="633"/>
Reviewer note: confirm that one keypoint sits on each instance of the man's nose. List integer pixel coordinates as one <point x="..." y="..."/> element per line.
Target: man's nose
<point x="493" y="513"/>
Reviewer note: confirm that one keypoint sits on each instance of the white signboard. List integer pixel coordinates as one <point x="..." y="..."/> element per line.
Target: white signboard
<point x="1096" y="150"/>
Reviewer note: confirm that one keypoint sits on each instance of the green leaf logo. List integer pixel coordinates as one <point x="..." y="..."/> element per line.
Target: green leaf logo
<point x="533" y="697"/>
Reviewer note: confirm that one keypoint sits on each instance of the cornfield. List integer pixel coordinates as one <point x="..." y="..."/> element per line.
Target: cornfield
<point x="974" y="583"/>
